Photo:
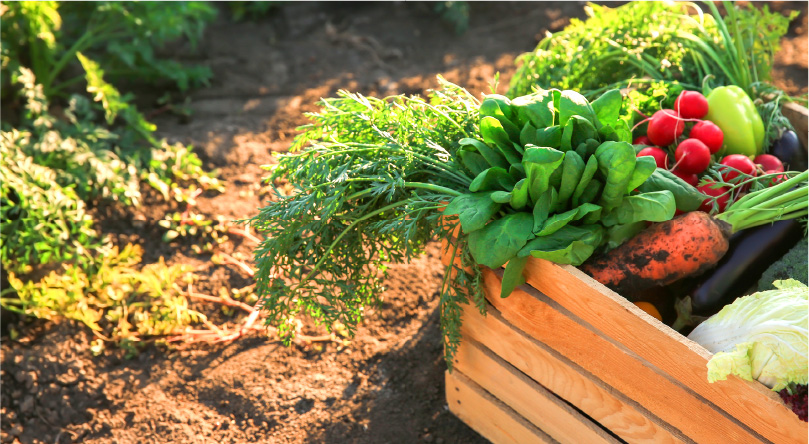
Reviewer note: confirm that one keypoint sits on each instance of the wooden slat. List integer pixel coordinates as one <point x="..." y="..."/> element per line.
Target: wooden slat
<point x="615" y="317"/>
<point x="554" y="372"/>
<point x="487" y="415"/>
<point x="529" y="399"/>
<point x="664" y="398"/>
<point x="799" y="118"/>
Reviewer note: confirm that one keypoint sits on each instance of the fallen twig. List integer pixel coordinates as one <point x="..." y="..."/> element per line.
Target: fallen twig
<point x="244" y="233"/>
<point x="232" y="260"/>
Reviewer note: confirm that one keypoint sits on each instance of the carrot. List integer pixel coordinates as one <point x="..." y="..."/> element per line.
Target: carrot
<point x="663" y="253"/>
<point x="694" y="242"/>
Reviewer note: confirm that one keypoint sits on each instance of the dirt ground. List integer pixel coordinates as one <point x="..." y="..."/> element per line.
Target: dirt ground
<point x="386" y="385"/>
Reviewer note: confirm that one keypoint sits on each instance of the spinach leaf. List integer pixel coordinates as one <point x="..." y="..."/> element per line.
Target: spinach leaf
<point x="549" y="137"/>
<point x="590" y="169"/>
<point x="618" y="234"/>
<point x="608" y="107"/>
<point x="557" y="221"/>
<point x="572" y="171"/>
<point x="537" y="108"/>
<point x="473" y="161"/>
<point x="569" y="245"/>
<point x="577" y="130"/>
<point x="497" y="106"/>
<point x="501" y="197"/>
<point x="687" y="198"/>
<point x="512" y="276"/>
<point x="588" y="213"/>
<point x="572" y="104"/>
<point x="500" y="240"/>
<point x="540" y="163"/>
<point x="616" y="162"/>
<point x="517" y="171"/>
<point x="519" y="195"/>
<point x="542" y="208"/>
<point x="494" y="178"/>
<point x="493" y="157"/>
<point x="492" y="131"/>
<point x="655" y="206"/>
<point x="528" y="135"/>
<point x="644" y="167"/>
<point x="473" y="210"/>
<point x="591" y="191"/>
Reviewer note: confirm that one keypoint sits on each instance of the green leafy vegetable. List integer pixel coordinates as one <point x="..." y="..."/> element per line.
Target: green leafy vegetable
<point x="498" y="242"/>
<point x="762" y="336"/>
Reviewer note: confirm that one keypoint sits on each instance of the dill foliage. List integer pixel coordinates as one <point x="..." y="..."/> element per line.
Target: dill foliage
<point x="371" y="178"/>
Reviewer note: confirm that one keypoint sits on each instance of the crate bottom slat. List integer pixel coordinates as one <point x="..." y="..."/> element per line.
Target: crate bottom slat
<point x="487" y="415"/>
<point x="527" y="398"/>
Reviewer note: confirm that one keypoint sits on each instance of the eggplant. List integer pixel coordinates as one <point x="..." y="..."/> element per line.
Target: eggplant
<point x="789" y="150"/>
<point x="741" y="267"/>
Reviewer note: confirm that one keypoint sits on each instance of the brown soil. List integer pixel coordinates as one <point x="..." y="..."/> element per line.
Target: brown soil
<point x="387" y="384"/>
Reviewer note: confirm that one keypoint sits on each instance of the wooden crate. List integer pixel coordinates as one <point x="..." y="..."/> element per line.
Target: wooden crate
<point x="565" y="359"/>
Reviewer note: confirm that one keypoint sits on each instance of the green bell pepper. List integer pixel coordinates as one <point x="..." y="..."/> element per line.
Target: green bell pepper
<point x="731" y="109"/>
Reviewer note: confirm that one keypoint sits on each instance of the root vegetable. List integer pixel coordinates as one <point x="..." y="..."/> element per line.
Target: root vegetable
<point x="736" y="162"/>
<point x="664" y="127"/>
<point x="663" y="253"/>
<point x="691" y="105"/>
<point x="769" y="163"/>
<point x="692" y="156"/>
<point x="709" y="134"/>
<point x="661" y="157"/>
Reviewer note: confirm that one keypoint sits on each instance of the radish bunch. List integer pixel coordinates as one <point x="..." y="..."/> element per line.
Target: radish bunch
<point x="694" y="141"/>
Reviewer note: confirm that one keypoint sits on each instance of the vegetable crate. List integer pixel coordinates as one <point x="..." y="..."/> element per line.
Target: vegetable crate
<point x="566" y="359"/>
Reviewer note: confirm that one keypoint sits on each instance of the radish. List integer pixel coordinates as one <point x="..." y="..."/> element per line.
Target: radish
<point x="692" y="156"/>
<point x="661" y="156"/>
<point x="690" y="178"/>
<point x="642" y="140"/>
<point x="739" y="162"/>
<point x="664" y="127"/>
<point x="721" y="202"/>
<point x="691" y="105"/>
<point x="710" y="134"/>
<point x="769" y="163"/>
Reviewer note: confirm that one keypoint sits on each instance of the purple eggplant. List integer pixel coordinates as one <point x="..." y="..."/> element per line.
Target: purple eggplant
<point x="749" y="255"/>
<point x="789" y="150"/>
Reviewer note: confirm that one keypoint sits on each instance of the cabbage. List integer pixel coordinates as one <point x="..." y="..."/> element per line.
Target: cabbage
<point x="762" y="336"/>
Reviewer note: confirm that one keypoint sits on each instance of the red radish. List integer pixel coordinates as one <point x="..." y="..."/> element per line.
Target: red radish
<point x="769" y="163"/>
<point x="721" y="202"/>
<point x="642" y="140"/>
<point x="710" y="134"/>
<point x="777" y="179"/>
<point x="692" y="156"/>
<point x="664" y="127"/>
<point x="661" y="156"/>
<point x="690" y="178"/>
<point x="691" y="105"/>
<point x="739" y="162"/>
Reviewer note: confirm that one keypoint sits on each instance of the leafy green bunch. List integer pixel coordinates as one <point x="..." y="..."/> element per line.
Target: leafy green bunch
<point x="648" y="41"/>
<point x="123" y="37"/>
<point x="371" y="178"/>
<point x="555" y="178"/>
<point x="658" y="49"/>
<point x="546" y="175"/>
